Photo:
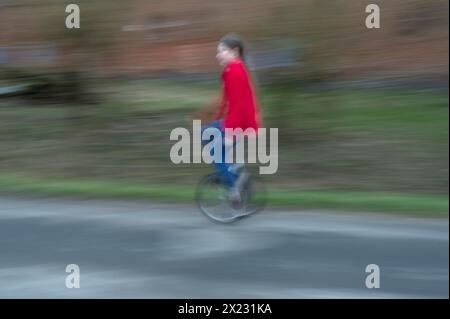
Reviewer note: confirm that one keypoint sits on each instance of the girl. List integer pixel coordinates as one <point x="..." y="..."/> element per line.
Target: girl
<point x="238" y="106"/>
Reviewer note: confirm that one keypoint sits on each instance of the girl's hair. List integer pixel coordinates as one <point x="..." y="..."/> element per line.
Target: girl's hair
<point x="232" y="41"/>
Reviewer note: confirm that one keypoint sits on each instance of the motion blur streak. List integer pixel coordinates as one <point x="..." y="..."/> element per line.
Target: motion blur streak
<point x="362" y="119"/>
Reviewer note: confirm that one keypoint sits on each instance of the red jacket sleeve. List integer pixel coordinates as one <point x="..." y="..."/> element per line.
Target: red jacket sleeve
<point x="234" y="88"/>
<point x="223" y="105"/>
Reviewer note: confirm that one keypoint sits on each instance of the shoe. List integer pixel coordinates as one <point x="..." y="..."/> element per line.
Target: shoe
<point x="234" y="195"/>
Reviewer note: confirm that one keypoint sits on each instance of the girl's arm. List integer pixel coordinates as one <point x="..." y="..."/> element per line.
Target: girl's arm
<point x="212" y="111"/>
<point x="222" y="106"/>
<point x="235" y="85"/>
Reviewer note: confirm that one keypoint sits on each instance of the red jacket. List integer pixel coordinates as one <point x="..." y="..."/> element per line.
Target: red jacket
<point x="239" y="104"/>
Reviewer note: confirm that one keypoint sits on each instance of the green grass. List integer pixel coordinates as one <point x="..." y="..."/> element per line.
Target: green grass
<point x="408" y="205"/>
<point x="394" y="142"/>
<point x="414" y="113"/>
<point x="425" y="206"/>
<point x="420" y="115"/>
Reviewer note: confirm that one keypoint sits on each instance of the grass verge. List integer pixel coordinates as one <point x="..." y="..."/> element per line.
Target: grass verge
<point x="398" y="204"/>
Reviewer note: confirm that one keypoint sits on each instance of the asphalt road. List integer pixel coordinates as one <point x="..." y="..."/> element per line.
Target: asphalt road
<point x="127" y="249"/>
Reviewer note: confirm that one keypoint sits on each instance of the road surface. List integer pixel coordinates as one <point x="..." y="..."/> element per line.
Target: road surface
<point x="129" y="249"/>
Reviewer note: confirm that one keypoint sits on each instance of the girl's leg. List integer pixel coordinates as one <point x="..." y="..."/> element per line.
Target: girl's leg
<point x="222" y="168"/>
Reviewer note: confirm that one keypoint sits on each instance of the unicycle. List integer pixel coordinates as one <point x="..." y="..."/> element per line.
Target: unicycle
<point x="213" y="201"/>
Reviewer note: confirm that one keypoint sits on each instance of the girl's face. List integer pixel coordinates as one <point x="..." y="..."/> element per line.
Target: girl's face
<point x="225" y="55"/>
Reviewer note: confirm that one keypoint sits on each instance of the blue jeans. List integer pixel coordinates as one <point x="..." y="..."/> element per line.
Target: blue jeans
<point x="223" y="169"/>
